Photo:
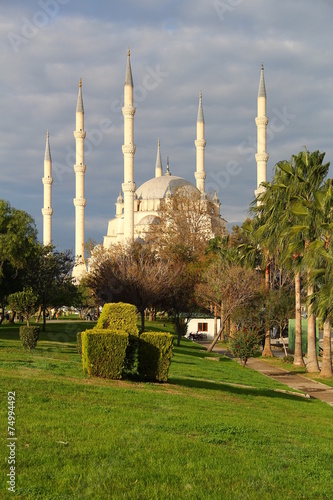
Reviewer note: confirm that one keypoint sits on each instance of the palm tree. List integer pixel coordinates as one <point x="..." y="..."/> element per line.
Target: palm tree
<point x="256" y="254"/>
<point x="308" y="175"/>
<point x="320" y="261"/>
<point x="273" y="221"/>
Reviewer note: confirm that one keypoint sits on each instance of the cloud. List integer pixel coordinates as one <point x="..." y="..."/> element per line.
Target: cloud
<point x="177" y="48"/>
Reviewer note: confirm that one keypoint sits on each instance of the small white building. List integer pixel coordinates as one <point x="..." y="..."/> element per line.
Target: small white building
<point x="204" y="325"/>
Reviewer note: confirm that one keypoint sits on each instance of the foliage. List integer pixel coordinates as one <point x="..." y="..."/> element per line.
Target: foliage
<point x="29" y="336"/>
<point x="18" y="236"/>
<point x="18" y="239"/>
<point x="289" y="222"/>
<point x="185" y="225"/>
<point x="103" y="352"/>
<point x="49" y="274"/>
<point x="180" y="301"/>
<point x="24" y="302"/>
<point x="279" y="307"/>
<point x="155" y="353"/>
<point x="231" y="285"/>
<point x="118" y="316"/>
<point x="133" y="274"/>
<point x="244" y="343"/>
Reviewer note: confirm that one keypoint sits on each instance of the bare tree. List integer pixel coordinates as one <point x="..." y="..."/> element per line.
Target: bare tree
<point x="185" y="224"/>
<point x="230" y="285"/>
<point x="133" y="274"/>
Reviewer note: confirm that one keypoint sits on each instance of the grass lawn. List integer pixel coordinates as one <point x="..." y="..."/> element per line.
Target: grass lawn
<point x="215" y="431"/>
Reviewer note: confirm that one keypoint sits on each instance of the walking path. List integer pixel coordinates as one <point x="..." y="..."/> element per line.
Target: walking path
<point x="296" y="381"/>
<point x="314" y="389"/>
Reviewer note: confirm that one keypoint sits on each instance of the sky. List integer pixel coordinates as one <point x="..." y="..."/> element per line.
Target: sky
<point x="178" y="47"/>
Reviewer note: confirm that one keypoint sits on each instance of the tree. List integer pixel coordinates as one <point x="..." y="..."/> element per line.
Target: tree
<point x="180" y="299"/>
<point x="180" y="236"/>
<point x="184" y="227"/>
<point x="279" y="307"/>
<point x="319" y="256"/>
<point x="258" y="255"/>
<point x="308" y="174"/>
<point x="18" y="236"/>
<point x="230" y="285"/>
<point x="244" y="343"/>
<point x="294" y="182"/>
<point x="24" y="302"/>
<point x="134" y="274"/>
<point x="49" y="274"/>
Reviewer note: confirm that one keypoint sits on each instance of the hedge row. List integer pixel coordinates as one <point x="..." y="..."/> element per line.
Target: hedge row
<point x="113" y="348"/>
<point x="155" y="353"/>
<point x="104" y="352"/>
<point x="29" y="336"/>
<point x="119" y="316"/>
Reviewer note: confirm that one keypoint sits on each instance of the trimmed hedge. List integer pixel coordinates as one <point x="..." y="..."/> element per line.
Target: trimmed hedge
<point x="118" y="316"/>
<point x="104" y="352"/>
<point x="155" y="353"/>
<point x="29" y="336"/>
<point x="131" y="358"/>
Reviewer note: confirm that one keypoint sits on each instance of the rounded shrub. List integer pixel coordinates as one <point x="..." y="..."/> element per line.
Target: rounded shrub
<point x="29" y="336"/>
<point x="244" y="343"/>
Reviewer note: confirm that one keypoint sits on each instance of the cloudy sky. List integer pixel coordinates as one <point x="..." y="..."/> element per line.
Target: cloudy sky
<point x="178" y="47"/>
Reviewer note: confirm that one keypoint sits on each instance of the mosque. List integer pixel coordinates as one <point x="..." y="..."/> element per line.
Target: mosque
<point x="138" y="208"/>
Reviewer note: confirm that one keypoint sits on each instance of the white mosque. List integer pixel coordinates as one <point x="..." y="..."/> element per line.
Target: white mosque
<point x="137" y="208"/>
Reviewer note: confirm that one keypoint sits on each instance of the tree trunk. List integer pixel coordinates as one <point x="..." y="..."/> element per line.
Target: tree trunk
<point x="312" y="360"/>
<point x="326" y="367"/>
<point x="39" y="314"/>
<point x="2" y="314"/>
<point x="142" y="314"/>
<point x="44" y="318"/>
<point x="267" y="351"/>
<point x="298" y="356"/>
<point x="215" y="321"/>
<point x="213" y="344"/>
<point x="12" y="316"/>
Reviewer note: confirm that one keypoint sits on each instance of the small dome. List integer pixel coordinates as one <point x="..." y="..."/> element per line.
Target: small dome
<point x="157" y="188"/>
<point x="120" y="199"/>
<point x="148" y="220"/>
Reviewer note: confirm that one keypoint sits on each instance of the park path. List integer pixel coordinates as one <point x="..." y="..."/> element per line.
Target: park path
<point x="311" y="388"/>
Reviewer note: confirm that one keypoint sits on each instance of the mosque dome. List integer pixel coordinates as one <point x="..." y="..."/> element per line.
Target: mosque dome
<point x="159" y="187"/>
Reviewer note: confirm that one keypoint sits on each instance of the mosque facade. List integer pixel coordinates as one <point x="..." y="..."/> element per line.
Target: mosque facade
<point x="138" y="208"/>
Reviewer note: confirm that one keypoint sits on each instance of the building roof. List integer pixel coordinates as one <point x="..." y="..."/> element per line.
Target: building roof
<point x="158" y="187"/>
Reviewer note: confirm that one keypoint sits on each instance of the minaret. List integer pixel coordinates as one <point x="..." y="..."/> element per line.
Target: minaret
<point x="261" y="122"/>
<point x="167" y="167"/>
<point x="47" y="210"/>
<point x="158" y="166"/>
<point x="79" y="200"/>
<point x="128" y="151"/>
<point x="200" y="144"/>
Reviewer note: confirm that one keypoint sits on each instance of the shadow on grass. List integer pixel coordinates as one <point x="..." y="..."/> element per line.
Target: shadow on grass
<point x="239" y="391"/>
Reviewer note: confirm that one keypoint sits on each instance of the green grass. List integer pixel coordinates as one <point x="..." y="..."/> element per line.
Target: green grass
<point x="215" y="431"/>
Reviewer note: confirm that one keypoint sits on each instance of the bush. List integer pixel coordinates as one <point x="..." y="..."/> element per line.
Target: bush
<point x="118" y="316"/>
<point x="244" y="343"/>
<point x="103" y="352"/>
<point x="131" y="355"/>
<point x="155" y="353"/>
<point x="29" y="336"/>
